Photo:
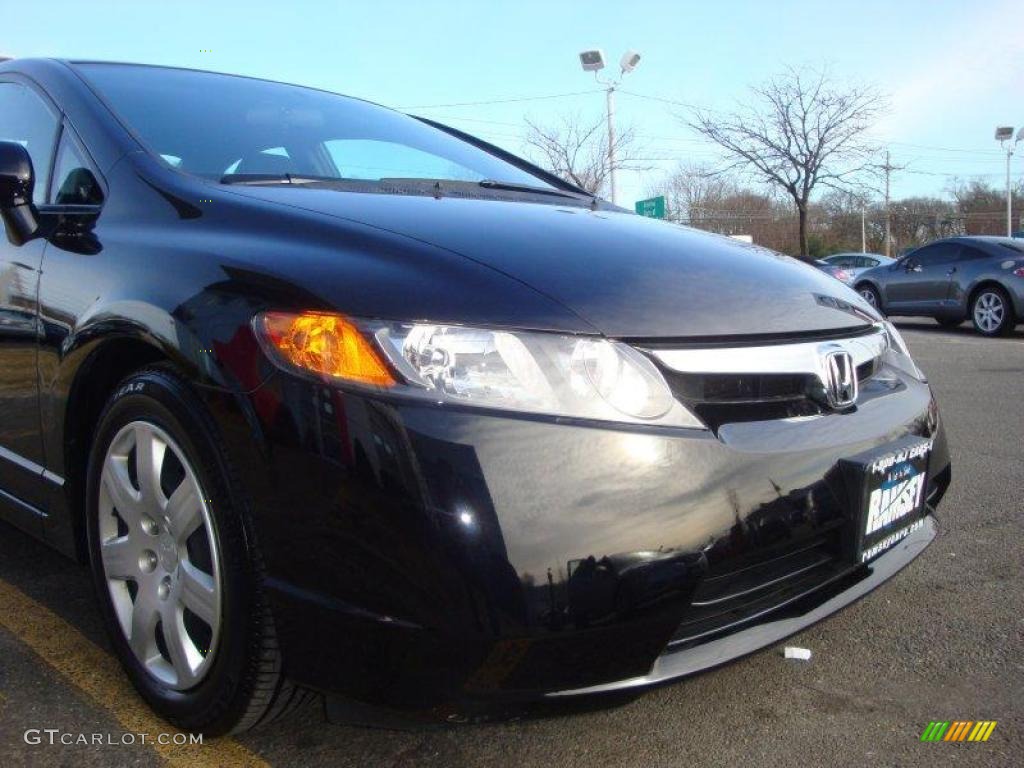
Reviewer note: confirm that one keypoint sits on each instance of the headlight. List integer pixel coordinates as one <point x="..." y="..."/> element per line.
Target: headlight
<point x="897" y="354"/>
<point x="526" y="372"/>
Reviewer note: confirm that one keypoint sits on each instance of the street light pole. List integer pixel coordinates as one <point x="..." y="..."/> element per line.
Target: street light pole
<point x="611" y="142"/>
<point x="1004" y="135"/>
<point x="593" y="61"/>
<point x="1009" y="194"/>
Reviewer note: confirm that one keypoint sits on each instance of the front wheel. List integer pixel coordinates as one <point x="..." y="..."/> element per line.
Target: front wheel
<point x="174" y="564"/>
<point x="870" y="294"/>
<point x="992" y="313"/>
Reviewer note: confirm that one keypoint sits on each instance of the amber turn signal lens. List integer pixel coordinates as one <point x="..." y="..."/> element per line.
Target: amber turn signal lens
<point x="330" y="345"/>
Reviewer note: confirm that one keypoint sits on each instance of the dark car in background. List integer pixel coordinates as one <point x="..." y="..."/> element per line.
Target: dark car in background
<point x="959" y="278"/>
<point x="337" y="402"/>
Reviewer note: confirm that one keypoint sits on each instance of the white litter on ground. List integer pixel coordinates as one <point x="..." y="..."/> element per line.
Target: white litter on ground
<point x="792" y="652"/>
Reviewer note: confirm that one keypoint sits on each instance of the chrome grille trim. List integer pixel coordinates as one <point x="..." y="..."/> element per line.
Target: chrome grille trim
<point x="806" y="357"/>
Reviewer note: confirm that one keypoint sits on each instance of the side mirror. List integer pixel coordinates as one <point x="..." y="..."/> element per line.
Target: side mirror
<point x="16" y="183"/>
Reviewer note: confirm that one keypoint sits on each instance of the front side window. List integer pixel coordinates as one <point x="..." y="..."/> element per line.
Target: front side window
<point x="843" y="261"/>
<point x="26" y="119"/>
<point x="218" y="125"/>
<point x="933" y="255"/>
<point x="969" y="254"/>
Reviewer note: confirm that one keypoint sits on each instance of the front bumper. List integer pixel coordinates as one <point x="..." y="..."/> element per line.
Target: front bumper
<point x="784" y="620"/>
<point x="440" y="561"/>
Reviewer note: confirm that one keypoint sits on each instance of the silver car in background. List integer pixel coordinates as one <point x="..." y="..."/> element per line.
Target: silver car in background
<point x="955" y="279"/>
<point x="846" y="267"/>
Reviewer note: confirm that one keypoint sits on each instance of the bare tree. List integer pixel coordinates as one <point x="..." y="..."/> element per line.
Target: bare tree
<point x="982" y="207"/>
<point x="798" y="132"/>
<point x="699" y="196"/>
<point x="917" y="220"/>
<point x="691" y="190"/>
<point x="577" y="150"/>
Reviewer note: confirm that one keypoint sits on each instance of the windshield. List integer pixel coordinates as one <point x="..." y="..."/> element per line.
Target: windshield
<point x="215" y="126"/>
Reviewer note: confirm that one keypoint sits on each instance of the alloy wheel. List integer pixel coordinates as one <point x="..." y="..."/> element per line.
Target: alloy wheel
<point x="160" y="555"/>
<point x="989" y="311"/>
<point x="869" y="296"/>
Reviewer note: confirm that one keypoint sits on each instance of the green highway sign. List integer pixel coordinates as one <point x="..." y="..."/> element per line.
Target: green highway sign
<point x="652" y="207"/>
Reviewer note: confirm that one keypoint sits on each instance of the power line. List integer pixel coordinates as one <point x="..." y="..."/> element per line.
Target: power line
<point x="944" y="149"/>
<point x="662" y="100"/>
<point x="961" y="175"/>
<point x="503" y="101"/>
<point x="675" y="102"/>
<point x="701" y="150"/>
<point x="460" y="118"/>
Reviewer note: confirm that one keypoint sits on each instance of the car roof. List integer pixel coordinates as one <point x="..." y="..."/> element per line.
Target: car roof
<point x="31" y="63"/>
<point x="991" y="239"/>
<point x="987" y="243"/>
<point x="858" y="253"/>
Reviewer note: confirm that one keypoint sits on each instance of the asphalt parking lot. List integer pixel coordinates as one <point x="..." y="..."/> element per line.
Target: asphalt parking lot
<point x="941" y="641"/>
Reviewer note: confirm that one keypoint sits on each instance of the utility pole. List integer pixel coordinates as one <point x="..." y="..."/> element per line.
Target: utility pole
<point x="888" y="168"/>
<point x="888" y="219"/>
<point x="863" y="231"/>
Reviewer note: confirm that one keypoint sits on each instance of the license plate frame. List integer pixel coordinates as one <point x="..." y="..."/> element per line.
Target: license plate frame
<point x="887" y="495"/>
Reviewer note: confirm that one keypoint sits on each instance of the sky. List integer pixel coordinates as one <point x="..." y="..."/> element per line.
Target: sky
<point x="951" y="70"/>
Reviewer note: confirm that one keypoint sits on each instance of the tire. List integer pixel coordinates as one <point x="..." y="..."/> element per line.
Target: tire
<point x="948" y="322"/>
<point x="992" y="312"/>
<point x="869" y="293"/>
<point x="208" y="659"/>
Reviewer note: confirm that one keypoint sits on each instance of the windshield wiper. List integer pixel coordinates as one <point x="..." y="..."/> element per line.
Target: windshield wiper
<point x="436" y="185"/>
<point x="515" y="187"/>
<point x="274" y="178"/>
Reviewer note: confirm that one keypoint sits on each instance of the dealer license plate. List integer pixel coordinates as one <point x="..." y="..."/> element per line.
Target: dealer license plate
<point x="891" y="495"/>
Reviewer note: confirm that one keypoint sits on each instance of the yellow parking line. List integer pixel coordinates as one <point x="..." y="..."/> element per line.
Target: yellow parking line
<point x="98" y="675"/>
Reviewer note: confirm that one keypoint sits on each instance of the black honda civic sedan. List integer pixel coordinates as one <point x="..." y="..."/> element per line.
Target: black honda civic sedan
<point x="338" y="402"/>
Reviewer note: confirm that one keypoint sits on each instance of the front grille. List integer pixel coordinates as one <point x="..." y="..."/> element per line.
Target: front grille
<point x="725" y="601"/>
<point x="723" y="398"/>
<point x="723" y="384"/>
<point x="738" y="387"/>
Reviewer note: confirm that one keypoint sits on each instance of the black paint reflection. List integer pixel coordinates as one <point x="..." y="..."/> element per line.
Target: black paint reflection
<point x="621" y="585"/>
<point x="21" y="450"/>
<point x="528" y="555"/>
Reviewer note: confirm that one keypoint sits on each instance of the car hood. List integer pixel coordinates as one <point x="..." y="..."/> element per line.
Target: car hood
<point x="625" y="275"/>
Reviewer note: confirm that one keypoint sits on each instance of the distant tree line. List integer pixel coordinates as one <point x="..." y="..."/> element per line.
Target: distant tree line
<point x="706" y="199"/>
